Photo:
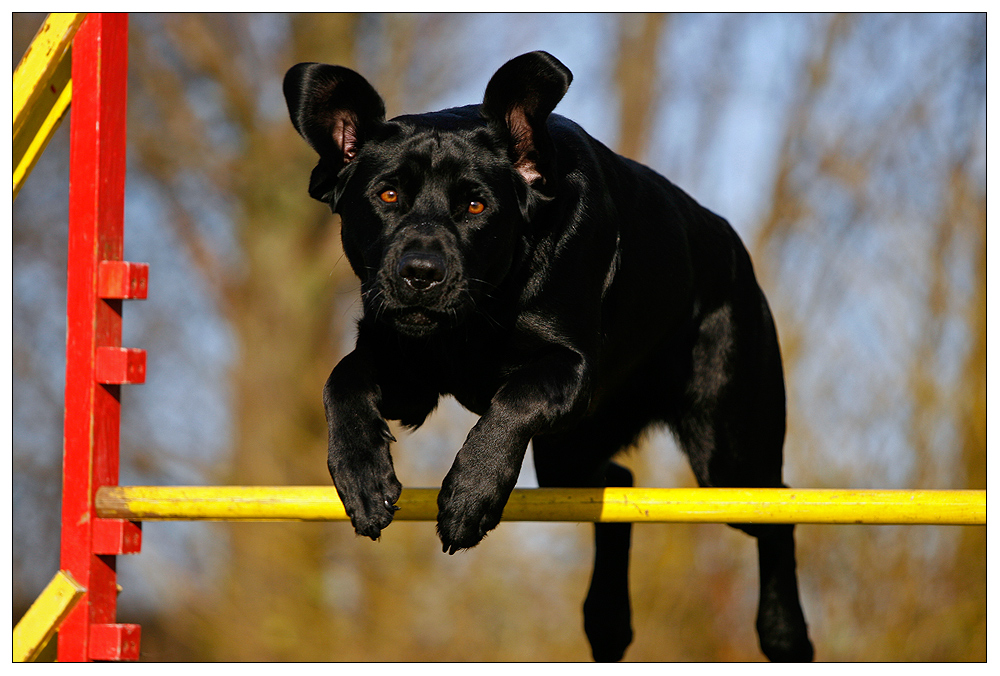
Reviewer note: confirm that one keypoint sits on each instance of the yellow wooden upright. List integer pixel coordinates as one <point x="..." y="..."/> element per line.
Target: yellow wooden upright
<point x="42" y="620"/>
<point x="42" y="91"/>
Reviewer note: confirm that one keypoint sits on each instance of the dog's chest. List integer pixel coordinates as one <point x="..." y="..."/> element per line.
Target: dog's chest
<point x="472" y="382"/>
<point x="469" y="370"/>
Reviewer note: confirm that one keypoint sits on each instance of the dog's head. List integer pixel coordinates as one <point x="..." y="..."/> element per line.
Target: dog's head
<point x="434" y="206"/>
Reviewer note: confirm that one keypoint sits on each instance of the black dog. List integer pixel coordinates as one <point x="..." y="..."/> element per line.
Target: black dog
<point x="569" y="296"/>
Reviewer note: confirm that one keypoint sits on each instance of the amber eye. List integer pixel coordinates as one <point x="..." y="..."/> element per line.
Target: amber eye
<point x="476" y="207"/>
<point x="389" y="196"/>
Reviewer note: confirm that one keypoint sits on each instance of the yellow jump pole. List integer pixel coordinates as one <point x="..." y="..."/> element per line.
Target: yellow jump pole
<point x="639" y="505"/>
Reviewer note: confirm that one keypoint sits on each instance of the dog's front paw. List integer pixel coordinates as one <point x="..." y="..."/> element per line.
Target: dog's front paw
<point x="371" y="508"/>
<point x="366" y="482"/>
<point x="467" y="513"/>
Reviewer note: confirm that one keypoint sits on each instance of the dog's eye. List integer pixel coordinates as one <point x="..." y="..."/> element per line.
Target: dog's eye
<point x="389" y="196"/>
<point x="476" y="207"/>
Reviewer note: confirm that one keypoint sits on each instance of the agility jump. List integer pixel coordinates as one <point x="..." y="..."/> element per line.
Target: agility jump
<point x="101" y="520"/>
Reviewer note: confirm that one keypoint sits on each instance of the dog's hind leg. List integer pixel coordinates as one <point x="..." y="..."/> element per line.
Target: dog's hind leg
<point x="781" y="626"/>
<point x="732" y="432"/>
<point x="607" y="613"/>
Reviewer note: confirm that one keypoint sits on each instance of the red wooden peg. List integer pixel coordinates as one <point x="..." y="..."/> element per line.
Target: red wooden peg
<point x="120" y="366"/>
<point x="117" y="536"/>
<point x="114" y="642"/>
<point x="120" y="279"/>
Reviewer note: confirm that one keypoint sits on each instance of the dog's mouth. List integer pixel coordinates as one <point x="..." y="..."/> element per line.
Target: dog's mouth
<point x="416" y="317"/>
<point x="416" y="321"/>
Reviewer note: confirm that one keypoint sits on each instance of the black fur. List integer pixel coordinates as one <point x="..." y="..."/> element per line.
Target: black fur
<point x="565" y="294"/>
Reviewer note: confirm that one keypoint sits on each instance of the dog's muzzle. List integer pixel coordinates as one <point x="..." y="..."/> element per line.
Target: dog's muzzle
<point x="423" y="289"/>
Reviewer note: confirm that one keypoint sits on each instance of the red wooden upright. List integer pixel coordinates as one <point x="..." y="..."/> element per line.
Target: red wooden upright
<point x="96" y="364"/>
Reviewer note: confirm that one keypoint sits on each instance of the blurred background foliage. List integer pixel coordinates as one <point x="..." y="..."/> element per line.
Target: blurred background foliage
<point x="848" y="151"/>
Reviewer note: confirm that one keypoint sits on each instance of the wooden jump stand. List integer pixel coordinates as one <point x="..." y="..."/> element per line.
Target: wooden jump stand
<point x="96" y="364"/>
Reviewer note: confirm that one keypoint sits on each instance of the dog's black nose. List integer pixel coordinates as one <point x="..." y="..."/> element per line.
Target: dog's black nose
<point x="421" y="270"/>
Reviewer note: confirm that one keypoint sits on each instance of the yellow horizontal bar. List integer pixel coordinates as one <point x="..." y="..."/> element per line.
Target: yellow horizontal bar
<point x="650" y="505"/>
<point x="44" y="616"/>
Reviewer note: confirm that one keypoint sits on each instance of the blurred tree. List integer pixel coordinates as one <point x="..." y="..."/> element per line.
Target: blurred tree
<point x="637" y="77"/>
<point x="209" y="81"/>
<point x="877" y="217"/>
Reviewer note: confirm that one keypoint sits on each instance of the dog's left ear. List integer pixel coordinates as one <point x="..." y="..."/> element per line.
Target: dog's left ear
<point x="519" y="98"/>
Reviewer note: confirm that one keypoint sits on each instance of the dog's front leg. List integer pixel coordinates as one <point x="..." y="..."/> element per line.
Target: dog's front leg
<point x="358" y="451"/>
<point x="479" y="483"/>
<point x="535" y="398"/>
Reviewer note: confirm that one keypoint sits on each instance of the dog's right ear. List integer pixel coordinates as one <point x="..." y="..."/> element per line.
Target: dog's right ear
<point x="332" y="108"/>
